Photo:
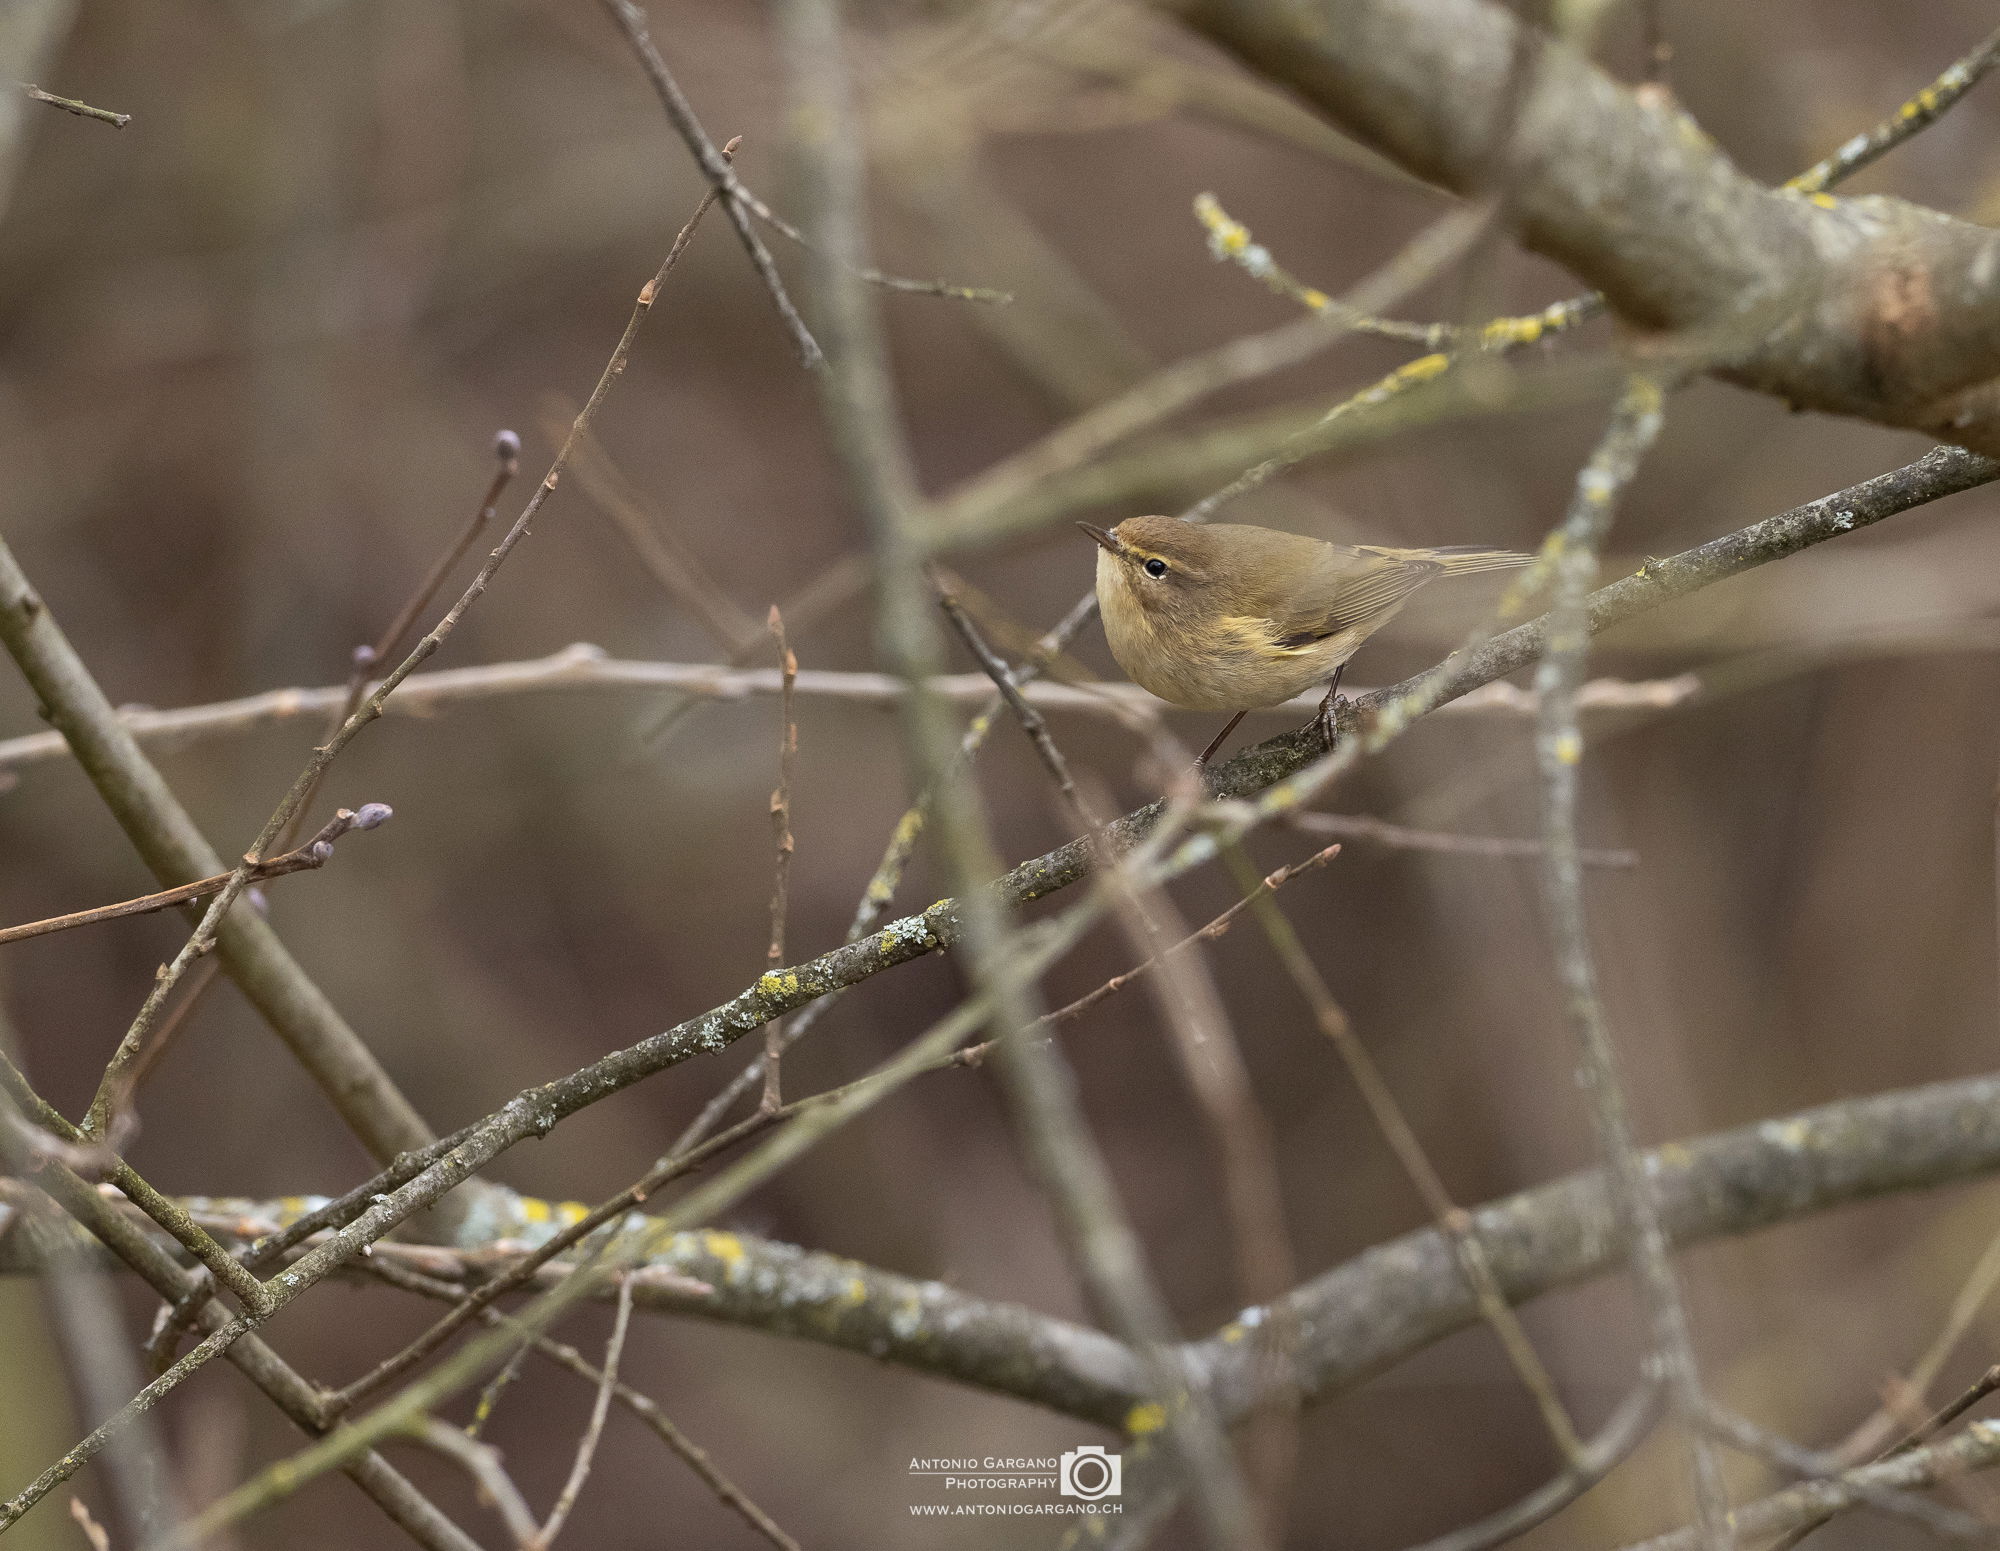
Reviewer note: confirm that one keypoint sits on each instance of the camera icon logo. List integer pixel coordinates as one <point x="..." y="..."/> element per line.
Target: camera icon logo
<point x="1091" y="1472"/>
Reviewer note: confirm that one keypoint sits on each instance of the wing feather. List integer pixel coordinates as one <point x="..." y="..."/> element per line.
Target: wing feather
<point x="1348" y="587"/>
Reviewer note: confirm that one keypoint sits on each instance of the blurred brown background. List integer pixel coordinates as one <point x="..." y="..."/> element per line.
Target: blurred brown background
<point x="253" y="349"/>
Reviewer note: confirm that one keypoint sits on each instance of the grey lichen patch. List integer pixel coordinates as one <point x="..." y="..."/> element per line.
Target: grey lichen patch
<point x="907" y="936"/>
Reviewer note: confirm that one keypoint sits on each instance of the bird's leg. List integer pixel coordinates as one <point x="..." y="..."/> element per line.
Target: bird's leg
<point x="1324" y="721"/>
<point x="1216" y="742"/>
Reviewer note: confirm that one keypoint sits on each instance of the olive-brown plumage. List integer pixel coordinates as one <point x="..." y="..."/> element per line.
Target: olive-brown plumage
<point x="1227" y="617"/>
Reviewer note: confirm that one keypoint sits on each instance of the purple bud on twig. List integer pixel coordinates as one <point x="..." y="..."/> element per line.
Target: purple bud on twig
<point x="322" y="851"/>
<point x="372" y="814"/>
<point x="364" y="656"/>
<point x="506" y="446"/>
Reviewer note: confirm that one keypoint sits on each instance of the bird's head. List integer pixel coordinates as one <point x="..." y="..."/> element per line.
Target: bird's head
<point x="1159" y="565"/>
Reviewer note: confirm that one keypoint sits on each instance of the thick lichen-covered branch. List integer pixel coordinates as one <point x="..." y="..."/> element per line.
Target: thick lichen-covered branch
<point x="1872" y="307"/>
<point x="1355" y="1320"/>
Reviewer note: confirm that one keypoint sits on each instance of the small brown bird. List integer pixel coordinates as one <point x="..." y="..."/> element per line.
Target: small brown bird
<point x="1227" y="617"/>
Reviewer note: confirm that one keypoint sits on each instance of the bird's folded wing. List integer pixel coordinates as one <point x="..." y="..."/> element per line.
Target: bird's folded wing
<point x="1346" y="588"/>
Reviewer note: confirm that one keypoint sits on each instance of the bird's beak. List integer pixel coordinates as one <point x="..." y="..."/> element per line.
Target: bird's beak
<point x="1103" y="539"/>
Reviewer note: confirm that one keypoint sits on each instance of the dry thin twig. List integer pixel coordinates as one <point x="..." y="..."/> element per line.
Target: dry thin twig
<point x="1452" y="1219"/>
<point x="1875" y="1432"/>
<point x="1986" y="1384"/>
<point x="369" y="707"/>
<point x="506" y="452"/>
<point x="1813" y="1502"/>
<point x="175" y="851"/>
<point x="1740" y="1433"/>
<point x="586" y="1449"/>
<point x="1918" y="114"/>
<point x="507" y="463"/>
<point x="1599" y="1456"/>
<point x="583" y="666"/>
<point x="875" y="277"/>
<point x="714" y="165"/>
<point x="176" y="1017"/>
<point x="641" y="1405"/>
<point x="81" y="109"/>
<point x="666" y="557"/>
<point x="1214" y="929"/>
<point x="481" y="1461"/>
<point x="315" y="853"/>
<point x="1559" y="750"/>
<point x="1400" y="837"/>
<point x="1029" y="718"/>
<point x="490" y="1393"/>
<point x="781" y="834"/>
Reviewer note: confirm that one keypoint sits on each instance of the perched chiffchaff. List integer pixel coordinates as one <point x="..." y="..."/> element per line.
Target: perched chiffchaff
<point x="1227" y="617"/>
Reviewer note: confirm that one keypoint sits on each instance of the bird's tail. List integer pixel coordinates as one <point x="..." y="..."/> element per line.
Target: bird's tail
<point x="1464" y="559"/>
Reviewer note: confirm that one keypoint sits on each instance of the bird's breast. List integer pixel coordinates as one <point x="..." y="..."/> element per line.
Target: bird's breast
<point x="1221" y="664"/>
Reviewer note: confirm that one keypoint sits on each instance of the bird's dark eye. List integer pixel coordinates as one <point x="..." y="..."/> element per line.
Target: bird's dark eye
<point x="1156" y="567"/>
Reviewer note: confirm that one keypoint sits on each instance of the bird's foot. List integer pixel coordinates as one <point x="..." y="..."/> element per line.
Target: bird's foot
<point x="1326" y="722"/>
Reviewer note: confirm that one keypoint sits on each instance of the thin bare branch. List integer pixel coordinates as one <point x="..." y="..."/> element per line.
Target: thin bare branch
<point x="1745" y="1436"/>
<point x="641" y="1405"/>
<point x="369" y="708"/>
<point x="582" y="666"/>
<point x="1452" y="1220"/>
<point x="81" y="109"/>
<point x="1599" y="1456"/>
<point x="1926" y="1429"/>
<point x="507" y="463"/>
<point x="1208" y="933"/>
<point x="669" y="560"/>
<point x="315" y="853"/>
<point x="1029" y="718"/>
<point x="1813" y="1502"/>
<point x="714" y="165"/>
<point x="1915" y="116"/>
<point x="781" y="835"/>
<point x="1400" y="837"/>
<point x="1559" y="748"/>
<point x="481" y="1461"/>
<point x="875" y="277"/>
<point x="586" y="1449"/>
